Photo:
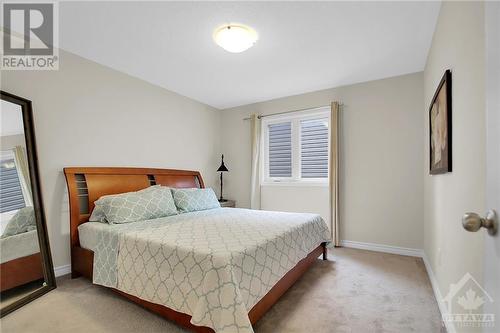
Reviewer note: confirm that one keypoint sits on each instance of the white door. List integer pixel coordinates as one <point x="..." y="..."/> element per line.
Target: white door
<point x="492" y="243"/>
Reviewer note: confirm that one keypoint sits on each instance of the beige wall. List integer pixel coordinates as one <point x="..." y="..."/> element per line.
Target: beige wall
<point x="381" y="158"/>
<point x="458" y="45"/>
<point x="300" y="199"/>
<point x="11" y="141"/>
<point x="89" y="115"/>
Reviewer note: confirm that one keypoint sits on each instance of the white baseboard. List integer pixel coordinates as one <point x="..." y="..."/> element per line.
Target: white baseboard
<point x="404" y="251"/>
<point x="62" y="270"/>
<point x="450" y="328"/>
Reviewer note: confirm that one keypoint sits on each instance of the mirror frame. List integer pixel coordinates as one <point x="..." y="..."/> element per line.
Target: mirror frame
<point x="43" y="239"/>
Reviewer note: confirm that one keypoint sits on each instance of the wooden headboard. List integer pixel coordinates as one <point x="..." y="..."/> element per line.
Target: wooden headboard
<point x="86" y="185"/>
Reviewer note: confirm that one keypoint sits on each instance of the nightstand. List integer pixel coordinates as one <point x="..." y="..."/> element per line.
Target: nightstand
<point x="228" y="203"/>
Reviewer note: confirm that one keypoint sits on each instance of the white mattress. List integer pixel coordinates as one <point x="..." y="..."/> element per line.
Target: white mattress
<point x="87" y="232"/>
<point x="18" y="246"/>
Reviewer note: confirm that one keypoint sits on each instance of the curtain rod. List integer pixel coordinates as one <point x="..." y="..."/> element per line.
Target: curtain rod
<point x="284" y="112"/>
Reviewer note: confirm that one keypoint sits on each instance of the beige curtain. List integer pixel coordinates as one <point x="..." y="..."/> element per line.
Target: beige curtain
<point x="334" y="173"/>
<point x="255" y="179"/>
<point x="23" y="173"/>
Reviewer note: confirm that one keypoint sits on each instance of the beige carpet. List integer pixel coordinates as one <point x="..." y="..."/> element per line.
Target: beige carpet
<point x="356" y="291"/>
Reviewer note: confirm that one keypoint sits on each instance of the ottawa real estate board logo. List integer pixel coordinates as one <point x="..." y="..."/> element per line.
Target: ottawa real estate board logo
<point x="464" y="305"/>
<point x="29" y="36"/>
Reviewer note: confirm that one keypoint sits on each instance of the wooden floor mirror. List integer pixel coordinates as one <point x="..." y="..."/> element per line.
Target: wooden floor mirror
<point x="26" y="270"/>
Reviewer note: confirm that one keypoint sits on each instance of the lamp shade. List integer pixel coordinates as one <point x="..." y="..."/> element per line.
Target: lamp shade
<point x="222" y="167"/>
<point x="235" y="38"/>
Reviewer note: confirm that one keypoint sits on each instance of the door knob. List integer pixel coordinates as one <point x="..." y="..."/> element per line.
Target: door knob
<point x="473" y="222"/>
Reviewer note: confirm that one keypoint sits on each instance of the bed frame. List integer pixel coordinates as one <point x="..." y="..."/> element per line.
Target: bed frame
<point x="86" y="185"/>
<point x="20" y="271"/>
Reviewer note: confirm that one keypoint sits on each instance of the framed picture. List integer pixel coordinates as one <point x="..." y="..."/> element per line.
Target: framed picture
<point x="440" y="127"/>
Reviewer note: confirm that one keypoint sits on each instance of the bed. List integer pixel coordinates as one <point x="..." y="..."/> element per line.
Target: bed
<point x="216" y="270"/>
<point x="20" y="260"/>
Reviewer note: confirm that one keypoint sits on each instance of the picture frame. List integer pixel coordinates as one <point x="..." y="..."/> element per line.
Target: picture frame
<point x="440" y="128"/>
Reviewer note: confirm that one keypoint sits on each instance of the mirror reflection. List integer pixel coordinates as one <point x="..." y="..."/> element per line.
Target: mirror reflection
<point x="21" y="270"/>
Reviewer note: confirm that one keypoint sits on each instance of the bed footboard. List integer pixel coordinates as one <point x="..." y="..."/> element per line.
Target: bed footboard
<point x="82" y="265"/>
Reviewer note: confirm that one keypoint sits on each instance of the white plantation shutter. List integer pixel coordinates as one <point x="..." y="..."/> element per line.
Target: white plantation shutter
<point x="11" y="197"/>
<point x="314" y="148"/>
<point x="280" y="150"/>
<point x="296" y="147"/>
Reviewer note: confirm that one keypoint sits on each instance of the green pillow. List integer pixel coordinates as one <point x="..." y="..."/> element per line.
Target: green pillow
<point x="98" y="214"/>
<point x="23" y="221"/>
<point x="194" y="199"/>
<point x="137" y="206"/>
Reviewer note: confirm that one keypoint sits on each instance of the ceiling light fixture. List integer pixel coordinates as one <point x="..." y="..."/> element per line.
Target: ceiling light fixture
<point x="235" y="38"/>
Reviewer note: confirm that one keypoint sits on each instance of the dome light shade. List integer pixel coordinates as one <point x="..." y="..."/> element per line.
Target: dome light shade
<point x="235" y="38"/>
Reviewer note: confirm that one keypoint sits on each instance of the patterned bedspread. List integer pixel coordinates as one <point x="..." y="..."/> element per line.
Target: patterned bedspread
<point x="214" y="265"/>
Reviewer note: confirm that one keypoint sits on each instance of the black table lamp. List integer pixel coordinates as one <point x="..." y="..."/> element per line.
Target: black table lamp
<point x="222" y="169"/>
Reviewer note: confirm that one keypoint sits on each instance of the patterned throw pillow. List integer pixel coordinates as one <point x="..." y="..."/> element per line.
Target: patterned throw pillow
<point x="137" y="206"/>
<point x="193" y="199"/>
<point x="98" y="214"/>
<point x="23" y="221"/>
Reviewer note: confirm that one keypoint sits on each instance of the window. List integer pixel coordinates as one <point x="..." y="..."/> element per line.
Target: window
<point x="314" y="148"/>
<point x="12" y="196"/>
<point x="296" y="147"/>
<point x="280" y="150"/>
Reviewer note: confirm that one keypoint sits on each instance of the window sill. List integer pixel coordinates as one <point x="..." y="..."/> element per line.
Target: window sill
<point x="296" y="184"/>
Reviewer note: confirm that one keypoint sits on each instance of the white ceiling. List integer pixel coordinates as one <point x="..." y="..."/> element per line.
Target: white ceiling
<point x="303" y="46"/>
